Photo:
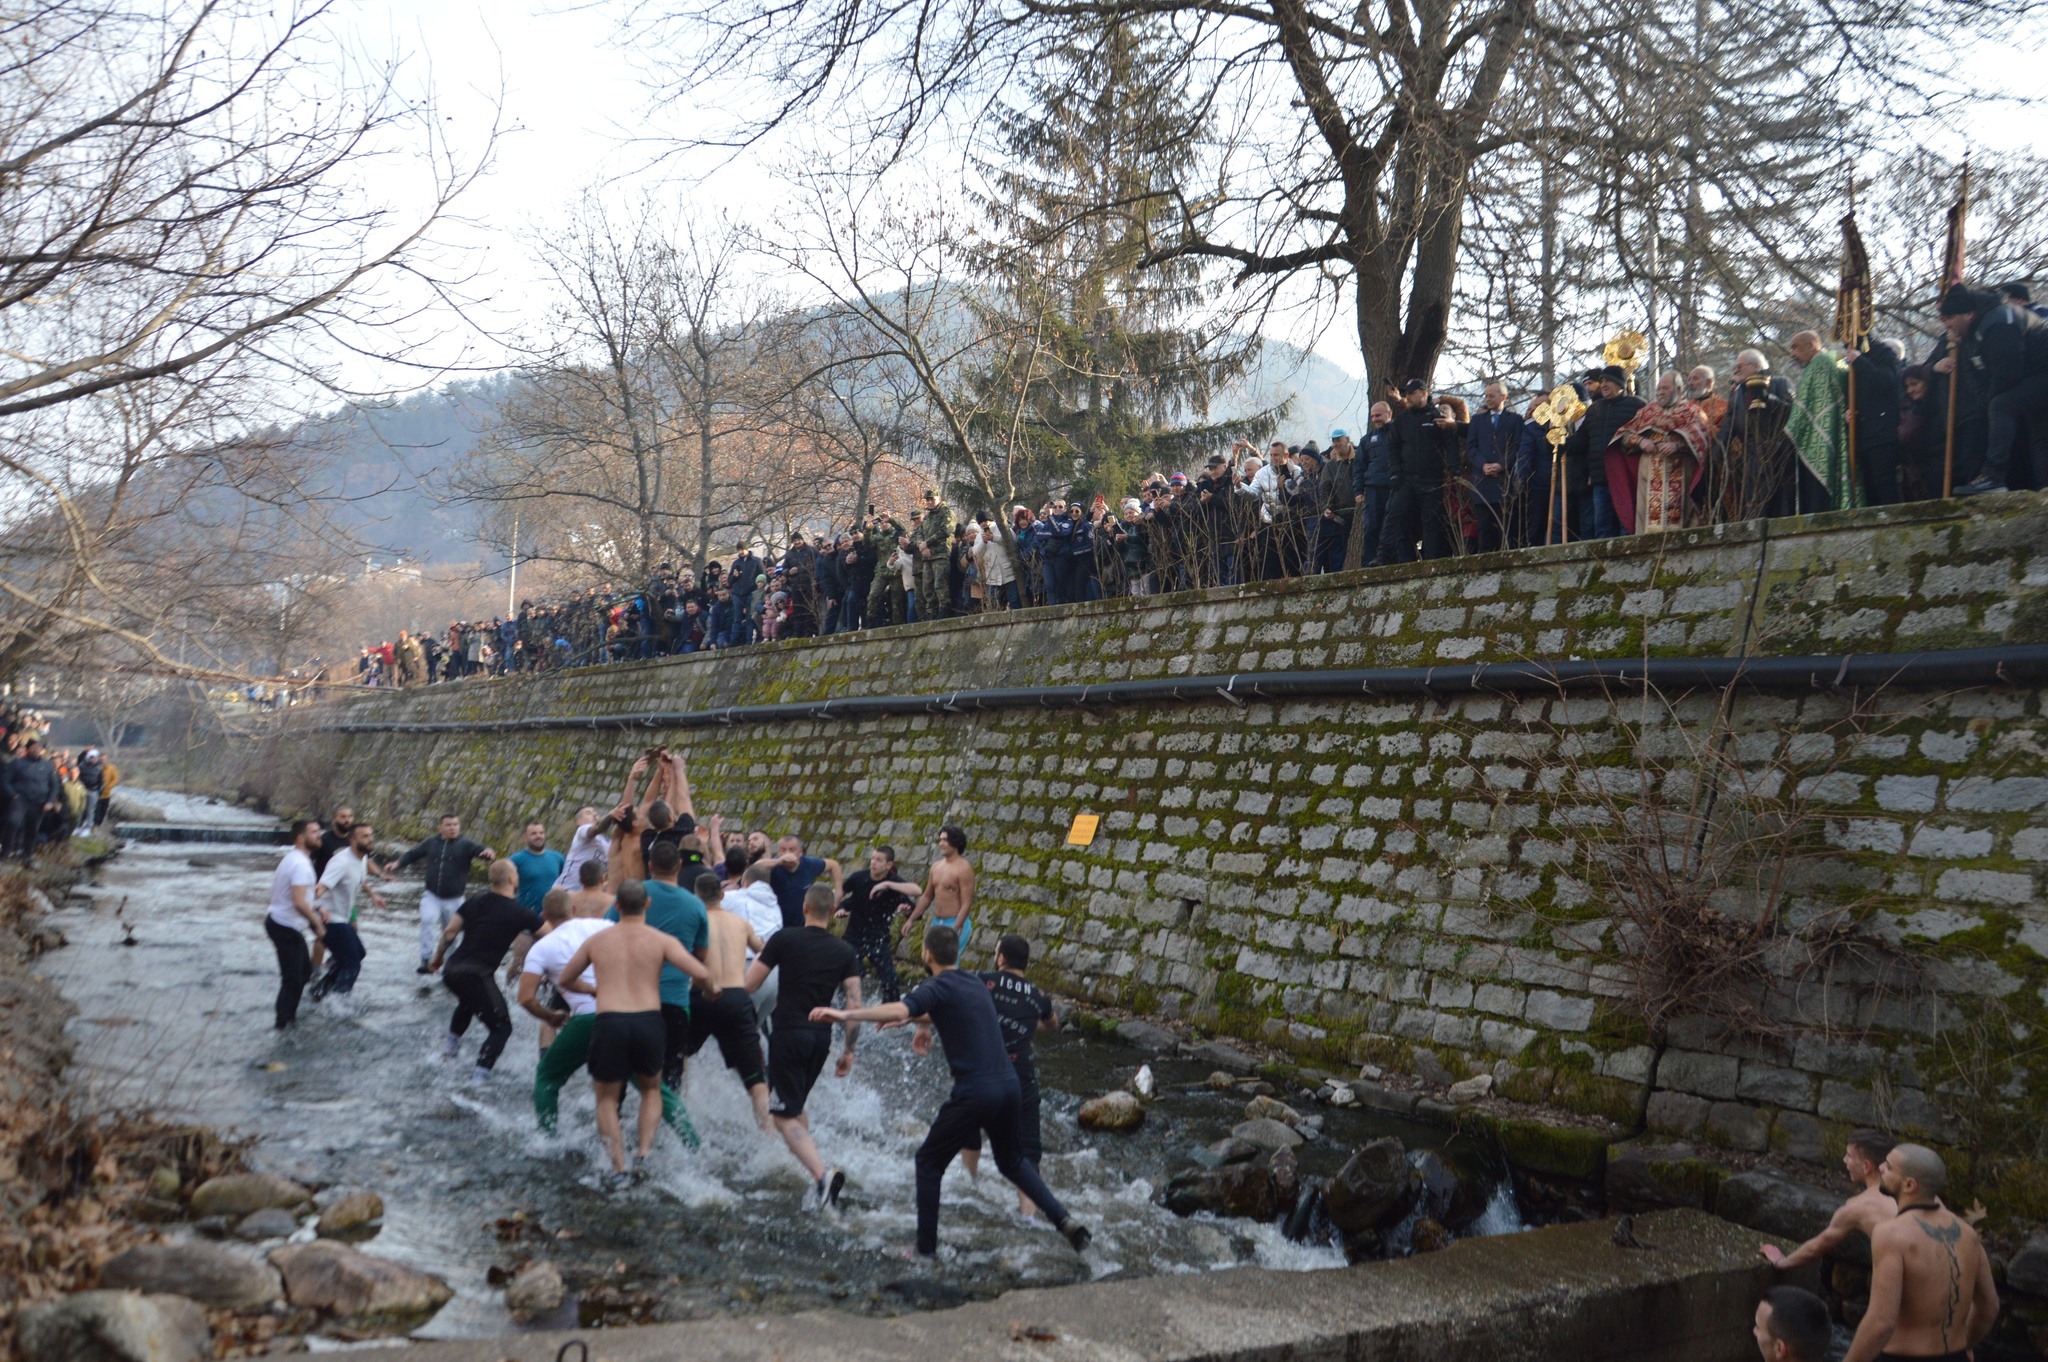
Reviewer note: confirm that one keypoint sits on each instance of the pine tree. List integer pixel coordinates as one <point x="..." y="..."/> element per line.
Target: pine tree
<point x="1112" y="378"/>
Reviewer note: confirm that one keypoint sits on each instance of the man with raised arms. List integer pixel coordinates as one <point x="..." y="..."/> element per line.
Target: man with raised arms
<point x="1931" y="1293"/>
<point x="1863" y="1212"/>
<point x="730" y="1020"/>
<point x="985" y="1097"/>
<point x="628" y="1039"/>
<point x="948" y="888"/>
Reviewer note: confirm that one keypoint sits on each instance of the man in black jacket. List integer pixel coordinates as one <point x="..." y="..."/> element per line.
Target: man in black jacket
<point x="2007" y="353"/>
<point x="33" y="790"/>
<point x="828" y="578"/>
<point x="1876" y="375"/>
<point x="1586" y="448"/>
<point x="1424" y="444"/>
<point x="447" y="856"/>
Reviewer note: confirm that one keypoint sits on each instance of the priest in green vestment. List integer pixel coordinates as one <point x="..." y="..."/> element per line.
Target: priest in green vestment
<point x="1818" y="426"/>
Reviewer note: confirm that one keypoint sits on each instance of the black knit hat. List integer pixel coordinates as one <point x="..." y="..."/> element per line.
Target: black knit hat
<point x="1614" y="374"/>
<point x="1962" y="301"/>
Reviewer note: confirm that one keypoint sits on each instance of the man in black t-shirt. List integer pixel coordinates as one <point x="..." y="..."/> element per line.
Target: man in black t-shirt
<point x="872" y="899"/>
<point x="1022" y="1009"/>
<point x="984" y="1096"/>
<point x="490" y="924"/>
<point x="814" y="965"/>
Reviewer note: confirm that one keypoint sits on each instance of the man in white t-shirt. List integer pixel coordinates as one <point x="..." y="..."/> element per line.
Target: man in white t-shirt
<point x="755" y="901"/>
<point x="291" y="913"/>
<point x="567" y="1019"/>
<point x="337" y="898"/>
<point x="585" y="844"/>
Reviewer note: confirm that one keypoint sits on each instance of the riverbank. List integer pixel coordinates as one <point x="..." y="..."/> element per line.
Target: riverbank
<point x="77" y="1181"/>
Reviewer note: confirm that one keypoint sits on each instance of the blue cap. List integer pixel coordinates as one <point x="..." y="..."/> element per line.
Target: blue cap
<point x="1340" y="434"/>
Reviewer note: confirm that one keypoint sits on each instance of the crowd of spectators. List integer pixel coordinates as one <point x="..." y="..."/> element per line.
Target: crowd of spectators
<point x="46" y="796"/>
<point x="1431" y="476"/>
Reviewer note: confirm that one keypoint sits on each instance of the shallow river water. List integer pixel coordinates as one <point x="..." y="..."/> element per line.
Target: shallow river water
<point x="173" y="980"/>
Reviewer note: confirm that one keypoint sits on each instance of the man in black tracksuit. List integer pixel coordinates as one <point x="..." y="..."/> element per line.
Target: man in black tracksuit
<point x="2007" y="356"/>
<point x="33" y="790"/>
<point x="1423" y="445"/>
<point x="1879" y="391"/>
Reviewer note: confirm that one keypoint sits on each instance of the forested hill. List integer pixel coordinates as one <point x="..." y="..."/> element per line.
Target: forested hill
<point x="391" y="460"/>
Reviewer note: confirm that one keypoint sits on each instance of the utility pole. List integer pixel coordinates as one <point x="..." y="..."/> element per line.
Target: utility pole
<point x="512" y="578"/>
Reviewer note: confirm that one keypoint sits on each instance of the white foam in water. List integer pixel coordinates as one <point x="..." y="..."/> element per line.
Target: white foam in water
<point x="1501" y="1215"/>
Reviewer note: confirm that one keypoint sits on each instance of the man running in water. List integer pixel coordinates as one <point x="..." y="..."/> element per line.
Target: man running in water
<point x="1863" y="1212"/>
<point x="628" y="1040"/>
<point x="489" y="925"/>
<point x="338" y="897"/>
<point x="730" y="1020"/>
<point x="985" y="1097"/>
<point x="291" y="912"/>
<point x="675" y="910"/>
<point x="948" y="889"/>
<point x="538" y="867"/>
<point x="814" y="965"/>
<point x="568" y="1018"/>
<point x="1931" y="1293"/>
<point x="872" y="900"/>
<point x="1022" y="1009"/>
<point x="447" y="857"/>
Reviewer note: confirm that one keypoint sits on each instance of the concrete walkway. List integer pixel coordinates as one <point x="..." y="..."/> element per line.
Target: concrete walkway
<point x="1561" y="1294"/>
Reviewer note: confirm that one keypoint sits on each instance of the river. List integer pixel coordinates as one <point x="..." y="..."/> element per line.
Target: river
<point x="173" y="981"/>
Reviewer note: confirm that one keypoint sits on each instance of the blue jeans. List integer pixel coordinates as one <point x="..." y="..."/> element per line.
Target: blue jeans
<point x="345" y="960"/>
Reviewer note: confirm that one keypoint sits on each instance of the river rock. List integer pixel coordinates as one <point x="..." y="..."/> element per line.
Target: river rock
<point x="1271" y="1109"/>
<point x="1225" y="1056"/>
<point x="1428" y="1236"/>
<point x="218" y="1278"/>
<point x="1446" y="1194"/>
<point x="1376" y="1186"/>
<point x="353" y="1215"/>
<point x="1144" y="1035"/>
<point x="369" y="1293"/>
<point x="1343" y="1095"/>
<point x="1286" y="1175"/>
<point x="2028" y="1271"/>
<point x="1222" y="1081"/>
<point x="164" y="1182"/>
<point x="1143" y="1084"/>
<point x="536" y="1288"/>
<point x="270" y="1224"/>
<point x="240" y="1194"/>
<point x="1471" y="1089"/>
<point x="1112" y="1111"/>
<point x="1267" y="1133"/>
<point x="1646" y="1174"/>
<point x="1239" y="1189"/>
<point x="114" y="1326"/>
<point x="1779" y="1206"/>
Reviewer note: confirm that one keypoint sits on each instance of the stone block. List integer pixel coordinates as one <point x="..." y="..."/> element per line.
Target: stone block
<point x="1647" y="1174"/>
<point x="1737" y="1125"/>
<point x="1775" y="1087"/>
<point x="1557" y="1011"/>
<point x="1986" y="794"/>
<point x="1845" y="1102"/>
<point x="1706" y="1075"/>
<point x="1675" y="1113"/>
<point x="1984" y="886"/>
<point x="1799" y="1136"/>
<point x="1907" y="794"/>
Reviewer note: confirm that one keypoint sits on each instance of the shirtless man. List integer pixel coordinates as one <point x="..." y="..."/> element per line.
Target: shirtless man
<point x="628" y="1039"/>
<point x="590" y="898"/>
<point x="1792" y="1325"/>
<point x="948" y="889"/>
<point x="1864" y="1211"/>
<point x="731" y="1019"/>
<point x="628" y="817"/>
<point x="1931" y="1293"/>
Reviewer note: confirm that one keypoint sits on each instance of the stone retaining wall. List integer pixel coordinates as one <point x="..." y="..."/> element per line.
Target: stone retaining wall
<point x="1365" y="879"/>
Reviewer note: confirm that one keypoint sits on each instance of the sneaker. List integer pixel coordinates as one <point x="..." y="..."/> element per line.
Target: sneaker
<point x="424" y="968"/>
<point x="479" y="1076"/>
<point x="834" y="1184"/>
<point x="1978" y="486"/>
<point x="617" y="1182"/>
<point x="1077" y="1234"/>
<point x="449" y="1046"/>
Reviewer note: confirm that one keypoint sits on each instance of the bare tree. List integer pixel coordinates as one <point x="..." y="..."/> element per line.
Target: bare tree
<point x="185" y="245"/>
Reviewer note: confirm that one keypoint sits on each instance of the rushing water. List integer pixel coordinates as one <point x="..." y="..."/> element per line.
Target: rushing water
<point x="173" y="981"/>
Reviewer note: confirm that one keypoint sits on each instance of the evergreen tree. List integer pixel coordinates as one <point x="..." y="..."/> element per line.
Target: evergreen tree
<point x="1106" y="377"/>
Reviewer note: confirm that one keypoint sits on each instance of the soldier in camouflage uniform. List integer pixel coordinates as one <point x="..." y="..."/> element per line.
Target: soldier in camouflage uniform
<point x="880" y="534"/>
<point x="932" y="543"/>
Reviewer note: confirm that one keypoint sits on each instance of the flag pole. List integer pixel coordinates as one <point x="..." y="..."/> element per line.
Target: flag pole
<point x="1953" y="274"/>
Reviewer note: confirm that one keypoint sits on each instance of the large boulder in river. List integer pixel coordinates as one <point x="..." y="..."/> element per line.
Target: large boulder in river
<point x="370" y="1294"/>
<point x="1376" y="1186"/>
<point x="1778" y="1206"/>
<point x="1240" y="1189"/>
<point x="114" y="1326"/>
<point x="535" y="1289"/>
<point x="1271" y="1109"/>
<point x="235" y="1195"/>
<point x="1112" y="1111"/>
<point x="218" y="1278"/>
<point x="1266" y="1133"/>
<point x="1144" y="1035"/>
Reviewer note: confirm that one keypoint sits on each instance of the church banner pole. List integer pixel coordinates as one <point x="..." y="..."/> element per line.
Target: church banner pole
<point x="1951" y="275"/>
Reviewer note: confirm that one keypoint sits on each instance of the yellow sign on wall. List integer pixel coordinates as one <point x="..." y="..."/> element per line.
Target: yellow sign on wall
<point x="1083" y="832"/>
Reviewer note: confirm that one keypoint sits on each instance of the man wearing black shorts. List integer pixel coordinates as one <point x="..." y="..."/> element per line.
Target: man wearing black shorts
<point x="1022" y="1010"/>
<point x="629" y="1040"/>
<point x="873" y="899"/>
<point x="984" y="1096"/>
<point x="731" y="1019"/>
<point x="490" y="924"/>
<point x="815" y="965"/>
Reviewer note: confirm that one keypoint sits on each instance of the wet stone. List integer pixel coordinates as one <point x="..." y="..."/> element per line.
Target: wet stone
<point x="1267" y="1133"/>
<point x="114" y="1326"/>
<point x="218" y="1278"/>
<point x="270" y="1224"/>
